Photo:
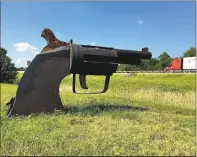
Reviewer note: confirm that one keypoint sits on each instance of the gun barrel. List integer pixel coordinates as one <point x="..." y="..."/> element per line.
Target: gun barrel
<point x="133" y="53"/>
<point x="132" y="56"/>
<point x="122" y="57"/>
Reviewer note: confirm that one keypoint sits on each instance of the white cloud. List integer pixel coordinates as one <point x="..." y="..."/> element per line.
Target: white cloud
<point x="93" y="43"/>
<point x="36" y="52"/>
<point x="25" y="47"/>
<point x="18" y="60"/>
<point x="140" y="21"/>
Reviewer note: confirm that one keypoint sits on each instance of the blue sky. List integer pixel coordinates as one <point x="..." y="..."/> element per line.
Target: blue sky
<point x="161" y="26"/>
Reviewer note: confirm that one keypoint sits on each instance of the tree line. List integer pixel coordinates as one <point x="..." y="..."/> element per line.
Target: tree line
<point x="8" y="69"/>
<point x="159" y="63"/>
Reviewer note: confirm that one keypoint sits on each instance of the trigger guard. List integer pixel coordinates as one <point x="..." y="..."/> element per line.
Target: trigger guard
<point x="107" y="80"/>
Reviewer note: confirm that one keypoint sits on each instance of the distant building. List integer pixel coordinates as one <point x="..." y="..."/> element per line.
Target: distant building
<point x="28" y="63"/>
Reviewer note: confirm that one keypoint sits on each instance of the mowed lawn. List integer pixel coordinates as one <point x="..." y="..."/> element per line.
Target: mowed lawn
<point x="147" y="114"/>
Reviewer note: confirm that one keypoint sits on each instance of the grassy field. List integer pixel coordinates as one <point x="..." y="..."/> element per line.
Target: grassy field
<point x="139" y="115"/>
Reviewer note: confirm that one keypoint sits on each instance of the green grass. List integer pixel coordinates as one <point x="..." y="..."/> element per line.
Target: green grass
<point x="149" y="114"/>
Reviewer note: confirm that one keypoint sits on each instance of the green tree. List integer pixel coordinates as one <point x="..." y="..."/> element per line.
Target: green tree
<point x="144" y="63"/>
<point x="8" y="69"/>
<point x="121" y="67"/>
<point x="164" y="60"/>
<point x="190" y="53"/>
<point x="129" y="67"/>
<point x="153" y="64"/>
<point x="21" y="69"/>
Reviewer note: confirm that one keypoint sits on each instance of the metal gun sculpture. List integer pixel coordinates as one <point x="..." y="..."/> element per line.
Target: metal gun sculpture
<point x="38" y="90"/>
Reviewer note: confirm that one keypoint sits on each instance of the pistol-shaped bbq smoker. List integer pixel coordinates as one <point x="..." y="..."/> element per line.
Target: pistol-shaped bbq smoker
<point x="38" y="90"/>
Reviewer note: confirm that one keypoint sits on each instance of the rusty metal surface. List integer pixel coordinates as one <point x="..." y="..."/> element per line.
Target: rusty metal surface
<point x="38" y="90"/>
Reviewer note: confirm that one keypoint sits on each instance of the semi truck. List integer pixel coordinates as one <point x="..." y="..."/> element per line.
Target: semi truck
<point x="186" y="63"/>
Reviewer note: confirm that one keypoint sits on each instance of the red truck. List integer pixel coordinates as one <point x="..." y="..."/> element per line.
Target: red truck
<point x="186" y="63"/>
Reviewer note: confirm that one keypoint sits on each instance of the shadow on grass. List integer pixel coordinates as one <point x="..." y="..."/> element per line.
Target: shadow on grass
<point x="100" y="108"/>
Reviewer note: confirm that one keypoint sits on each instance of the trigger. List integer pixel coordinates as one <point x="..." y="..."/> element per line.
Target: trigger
<point x="82" y="80"/>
